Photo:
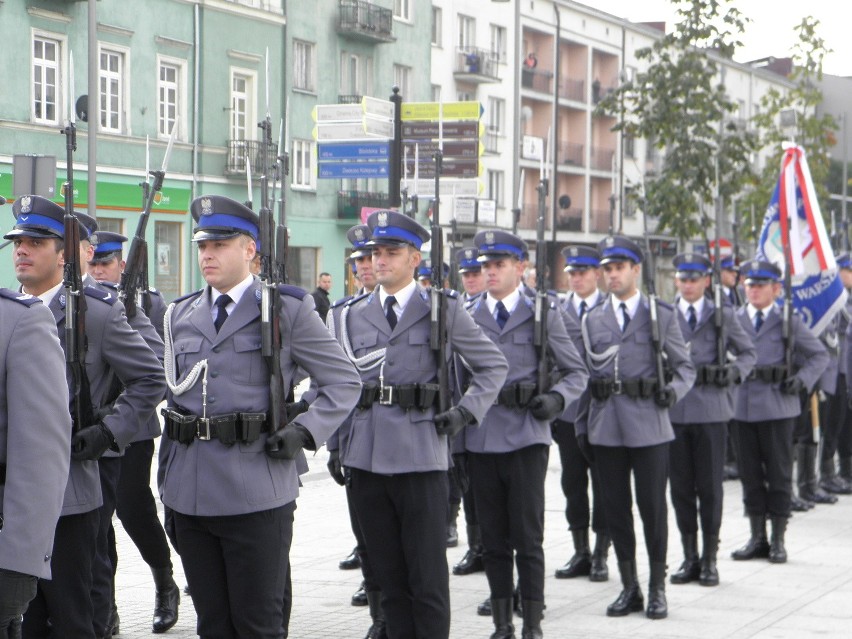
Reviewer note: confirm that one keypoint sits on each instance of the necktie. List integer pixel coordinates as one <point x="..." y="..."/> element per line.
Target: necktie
<point x="690" y="317"/>
<point x="582" y="309"/>
<point x="758" y="321"/>
<point x="390" y="300"/>
<point x="502" y="315"/>
<point x="623" y="308"/>
<point x="221" y="314"/>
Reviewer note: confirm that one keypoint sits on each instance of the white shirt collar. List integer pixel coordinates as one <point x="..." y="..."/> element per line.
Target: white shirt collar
<point x="631" y="302"/>
<point x="48" y="295"/>
<point x="752" y="311"/>
<point x="236" y="294"/>
<point x="402" y="297"/>
<point x="698" y="305"/>
<point x="590" y="301"/>
<point x="510" y="301"/>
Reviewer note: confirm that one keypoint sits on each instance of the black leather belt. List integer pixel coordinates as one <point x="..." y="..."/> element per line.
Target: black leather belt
<point x="405" y="396"/>
<point x="185" y="427"/>
<point x="516" y="395"/>
<point x="2" y="482"/>
<point x="638" y="388"/>
<point x="769" y="374"/>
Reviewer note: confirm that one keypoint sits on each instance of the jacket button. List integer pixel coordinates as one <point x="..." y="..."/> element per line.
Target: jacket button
<point x="215" y="349"/>
<point x="389" y="363"/>
<point x="47" y="557"/>
<point x="214" y="374"/>
<point x="211" y="400"/>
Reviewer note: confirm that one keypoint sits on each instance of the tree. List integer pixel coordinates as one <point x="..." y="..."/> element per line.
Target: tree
<point x="679" y="105"/>
<point x="814" y="132"/>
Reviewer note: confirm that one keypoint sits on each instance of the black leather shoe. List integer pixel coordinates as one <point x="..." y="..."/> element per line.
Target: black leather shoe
<point x="470" y="563"/>
<point x="709" y="575"/>
<point x="630" y="599"/>
<point x="360" y="596"/>
<point x="757" y="547"/>
<point x="502" y="617"/>
<point x="657" y="606"/>
<point x="799" y="505"/>
<point x="484" y="609"/>
<point x="690" y="569"/>
<point x="580" y="565"/>
<point x="600" y="571"/>
<point x="166" y="600"/>
<point x="836" y="485"/>
<point x="351" y="562"/>
<point x="533" y="612"/>
<point x="777" y="551"/>
<point x="817" y="496"/>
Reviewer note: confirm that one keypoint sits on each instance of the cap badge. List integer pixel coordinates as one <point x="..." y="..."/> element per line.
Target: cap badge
<point x="609" y="242"/>
<point x="206" y="206"/>
<point x="26" y="204"/>
<point x="573" y="252"/>
<point x="359" y="234"/>
<point x="468" y="254"/>
<point x="383" y="218"/>
<point x="93" y="239"/>
<point x="489" y="237"/>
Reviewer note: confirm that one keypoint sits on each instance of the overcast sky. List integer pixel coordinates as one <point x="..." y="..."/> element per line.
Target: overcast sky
<point x="771" y="31"/>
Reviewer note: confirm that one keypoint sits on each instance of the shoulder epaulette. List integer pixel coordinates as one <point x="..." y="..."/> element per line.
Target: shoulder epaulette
<point x="341" y="301"/>
<point x="154" y="291"/>
<point x="99" y="294"/>
<point x="292" y="291"/>
<point x="357" y="298"/>
<point x="451" y="293"/>
<point x="665" y="304"/>
<point x="187" y="296"/>
<point x="22" y="298"/>
<point x="111" y="285"/>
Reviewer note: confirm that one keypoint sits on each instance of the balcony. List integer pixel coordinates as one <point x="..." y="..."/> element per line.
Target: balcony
<point x="600" y="221"/>
<point x="352" y="98"/>
<point x="537" y="80"/>
<point x="571" y="153"/>
<point x="572" y="90"/>
<point x="570" y="220"/>
<point x="475" y="66"/>
<point x="239" y="150"/>
<point x="350" y="203"/>
<point x="365" y="21"/>
<point x="600" y="92"/>
<point x="602" y="158"/>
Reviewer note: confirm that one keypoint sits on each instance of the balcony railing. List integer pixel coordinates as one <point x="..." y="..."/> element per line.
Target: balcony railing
<point x="600" y="221"/>
<point x="600" y="92"/>
<point x="571" y="153"/>
<point x="352" y="98"/>
<point x="365" y="21"/>
<point x="475" y="65"/>
<point x="239" y="150"/>
<point x="572" y="90"/>
<point x="350" y="203"/>
<point x="493" y="141"/>
<point x="602" y="158"/>
<point x="570" y="220"/>
<point x="537" y="80"/>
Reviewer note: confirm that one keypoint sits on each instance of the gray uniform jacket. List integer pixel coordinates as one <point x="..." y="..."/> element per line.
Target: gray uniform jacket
<point x="506" y="429"/>
<point x="209" y="478"/>
<point x="339" y="439"/>
<point x="759" y="401"/>
<point x="113" y="349"/>
<point x="35" y="434"/>
<point x="388" y="439"/>
<point x="572" y="325"/>
<point x="622" y="420"/>
<point x="830" y="339"/>
<point x="709" y="403"/>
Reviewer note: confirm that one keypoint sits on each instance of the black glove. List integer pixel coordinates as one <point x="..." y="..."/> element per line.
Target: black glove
<point x="665" y="397"/>
<point x="585" y="447"/>
<point x="169" y="526"/>
<point x="285" y="443"/>
<point x="294" y="409"/>
<point x="727" y="376"/>
<point x="547" y="406"/>
<point x="334" y="467"/>
<point x="16" y="592"/>
<point x="459" y="472"/>
<point x="793" y="386"/>
<point x="91" y="442"/>
<point x="452" y="421"/>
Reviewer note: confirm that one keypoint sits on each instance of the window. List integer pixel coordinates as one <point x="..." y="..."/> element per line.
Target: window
<point x="303" y="167"/>
<point x="112" y="86"/>
<point x="45" y="74"/>
<point x="630" y="146"/>
<point x="350" y="74"/>
<point x="402" y="9"/>
<point x="467" y="32"/>
<point x="169" y="97"/>
<point x="303" y="66"/>
<point x="167" y="251"/>
<point x="498" y="43"/>
<point x="436" y="93"/>
<point x="496" y="115"/>
<point x="437" y="17"/>
<point x="242" y="105"/>
<point x="402" y="79"/>
<point x="464" y="96"/>
<point x="111" y="224"/>
<point x="496" y="181"/>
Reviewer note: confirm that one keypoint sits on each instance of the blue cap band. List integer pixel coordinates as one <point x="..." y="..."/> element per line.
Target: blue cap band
<point x="397" y="233"/>
<point x="224" y="220"/>
<point x="761" y="275"/>
<point x="470" y="264"/>
<point x="583" y="261"/>
<point x="108" y="247"/>
<point x="692" y="266"/>
<point x="618" y="251"/>
<point x="44" y="220"/>
<point x="502" y="248"/>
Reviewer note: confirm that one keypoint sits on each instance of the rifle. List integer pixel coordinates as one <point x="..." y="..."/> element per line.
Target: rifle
<point x="282" y="236"/>
<point x="134" y="279"/>
<point x="718" y="316"/>
<point x="541" y="302"/>
<point x="438" y="323"/>
<point x="651" y="289"/>
<point x="787" y="312"/>
<point x="270" y="279"/>
<point x="82" y="412"/>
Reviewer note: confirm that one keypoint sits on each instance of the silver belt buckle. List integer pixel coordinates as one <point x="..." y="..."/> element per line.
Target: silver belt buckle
<point x="205" y="434"/>
<point x="386" y="395"/>
<point x="617" y="388"/>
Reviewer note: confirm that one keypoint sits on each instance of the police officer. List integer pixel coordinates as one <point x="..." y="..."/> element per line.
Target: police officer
<point x="35" y="439"/>
<point x="625" y="426"/>
<point x="226" y="472"/>
<point x="508" y="450"/>
<point x="114" y="351"/>
<point x="134" y="502"/>
<point x="837" y="426"/>
<point x="397" y="450"/>
<point x="582" y="263"/>
<point x="470" y="269"/>
<point x="700" y="419"/>
<point x="766" y="409"/>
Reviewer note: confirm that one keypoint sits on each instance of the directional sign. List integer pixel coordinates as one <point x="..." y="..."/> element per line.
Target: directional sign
<point x="452" y="149"/>
<point x="341" y="170"/>
<point x="378" y="128"/>
<point x="450" y="167"/>
<point x="377" y="108"/>
<point x="460" y="187"/>
<point x="353" y="151"/>
<point x="437" y="110"/>
<point x="343" y="132"/>
<point x="337" y="112"/>
<point x="430" y="130"/>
